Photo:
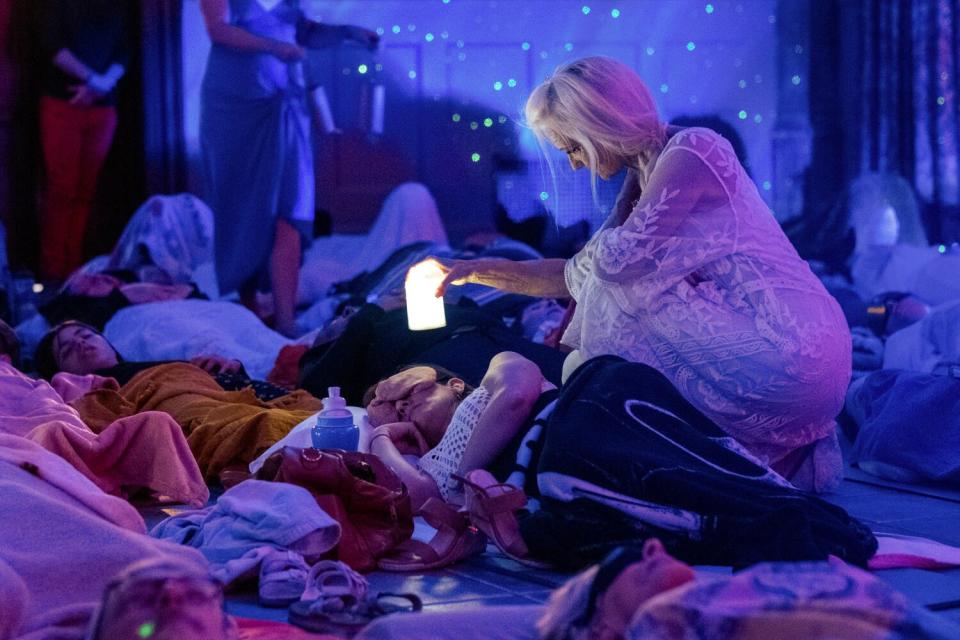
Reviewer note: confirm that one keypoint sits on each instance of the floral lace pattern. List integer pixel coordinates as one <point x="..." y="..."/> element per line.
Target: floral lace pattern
<point x="701" y="283"/>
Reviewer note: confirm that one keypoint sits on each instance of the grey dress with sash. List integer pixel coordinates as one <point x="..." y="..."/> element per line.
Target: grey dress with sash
<point x="255" y="143"/>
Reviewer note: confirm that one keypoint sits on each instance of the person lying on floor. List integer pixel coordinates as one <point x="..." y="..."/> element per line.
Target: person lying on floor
<point x="76" y="347"/>
<point x="643" y="592"/>
<point x="618" y="434"/>
<point x="222" y="427"/>
<point x="144" y="453"/>
<point x="77" y="564"/>
<point x="365" y="346"/>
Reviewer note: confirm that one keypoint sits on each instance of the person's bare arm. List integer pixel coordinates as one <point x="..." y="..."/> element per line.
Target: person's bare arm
<point x="542" y="278"/>
<point x="514" y="384"/>
<point x="386" y="442"/>
<point x="71" y="65"/>
<point x="216" y="15"/>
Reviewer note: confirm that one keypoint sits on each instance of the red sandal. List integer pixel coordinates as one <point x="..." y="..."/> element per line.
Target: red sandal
<point x="492" y="507"/>
<point x="456" y="539"/>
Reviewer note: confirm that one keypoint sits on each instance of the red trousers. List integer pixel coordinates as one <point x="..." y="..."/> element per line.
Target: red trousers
<point x="75" y="144"/>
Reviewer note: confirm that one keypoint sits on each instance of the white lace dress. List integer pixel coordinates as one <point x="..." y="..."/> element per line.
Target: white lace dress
<point x="441" y="462"/>
<point x="701" y="284"/>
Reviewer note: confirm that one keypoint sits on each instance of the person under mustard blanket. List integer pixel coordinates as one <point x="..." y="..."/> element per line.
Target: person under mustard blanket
<point x="222" y="427"/>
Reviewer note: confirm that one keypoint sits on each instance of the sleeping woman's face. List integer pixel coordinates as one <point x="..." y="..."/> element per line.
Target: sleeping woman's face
<point x="80" y="349"/>
<point x="414" y="395"/>
<point x="656" y="573"/>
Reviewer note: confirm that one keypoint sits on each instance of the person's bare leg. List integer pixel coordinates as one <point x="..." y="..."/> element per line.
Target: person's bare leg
<point x="285" y="276"/>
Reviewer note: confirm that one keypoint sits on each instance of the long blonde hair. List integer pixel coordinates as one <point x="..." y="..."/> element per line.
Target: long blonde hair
<point x="600" y="105"/>
<point x="566" y="607"/>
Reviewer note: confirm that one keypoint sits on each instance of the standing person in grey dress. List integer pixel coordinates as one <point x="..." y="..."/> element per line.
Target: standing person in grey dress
<point x="255" y="140"/>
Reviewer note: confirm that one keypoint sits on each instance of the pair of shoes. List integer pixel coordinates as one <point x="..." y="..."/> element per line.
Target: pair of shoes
<point x="345" y="623"/>
<point x="283" y="577"/>
<point x="456" y="539"/>
<point x="492" y="508"/>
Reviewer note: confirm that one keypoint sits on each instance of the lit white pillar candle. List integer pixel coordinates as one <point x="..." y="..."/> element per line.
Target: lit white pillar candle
<point x="424" y="308"/>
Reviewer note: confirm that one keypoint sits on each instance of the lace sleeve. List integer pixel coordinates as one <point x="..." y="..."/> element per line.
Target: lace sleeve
<point x="682" y="221"/>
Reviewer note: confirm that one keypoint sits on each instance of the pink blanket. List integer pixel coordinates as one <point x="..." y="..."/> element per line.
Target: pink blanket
<point x="61" y="541"/>
<point x="145" y="451"/>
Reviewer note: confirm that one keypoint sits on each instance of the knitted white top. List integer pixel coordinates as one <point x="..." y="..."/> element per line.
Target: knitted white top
<point x="441" y="462"/>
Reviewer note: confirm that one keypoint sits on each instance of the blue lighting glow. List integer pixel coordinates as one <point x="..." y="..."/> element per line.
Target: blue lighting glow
<point x="664" y="88"/>
<point x="497" y="85"/>
<point x="691" y="46"/>
<point x="941" y="100"/>
<point x="585" y="9"/>
<point x="708" y="8"/>
<point x="650" y="51"/>
<point x="411" y="74"/>
<point x="544" y="195"/>
<point x="615" y="13"/>
<point x="474" y="125"/>
<point x="766" y="185"/>
<point x="475" y="157"/>
<point x="758" y="118"/>
<point x="795" y="80"/>
<point x="568" y="46"/>
<point x="380" y="31"/>
<point x="742" y="115"/>
<point x="502" y="119"/>
<point x="742" y="84"/>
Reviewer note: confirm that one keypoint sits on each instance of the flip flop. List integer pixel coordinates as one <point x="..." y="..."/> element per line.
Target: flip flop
<point x="346" y="623"/>
<point x="492" y="508"/>
<point x="455" y="540"/>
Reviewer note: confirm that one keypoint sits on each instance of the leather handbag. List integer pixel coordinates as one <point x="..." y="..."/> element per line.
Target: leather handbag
<point x="357" y="490"/>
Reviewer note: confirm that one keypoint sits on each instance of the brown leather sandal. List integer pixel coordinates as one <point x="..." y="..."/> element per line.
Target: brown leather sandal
<point x="492" y="507"/>
<point x="456" y="539"/>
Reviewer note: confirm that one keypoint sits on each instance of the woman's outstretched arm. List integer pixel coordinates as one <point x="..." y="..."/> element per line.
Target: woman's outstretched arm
<point x="541" y="278"/>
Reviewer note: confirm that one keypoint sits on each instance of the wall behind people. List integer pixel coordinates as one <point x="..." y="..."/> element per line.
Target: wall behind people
<point x="456" y="75"/>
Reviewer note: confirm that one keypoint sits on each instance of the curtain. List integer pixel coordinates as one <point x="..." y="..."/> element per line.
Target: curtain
<point x="164" y="145"/>
<point x="908" y="101"/>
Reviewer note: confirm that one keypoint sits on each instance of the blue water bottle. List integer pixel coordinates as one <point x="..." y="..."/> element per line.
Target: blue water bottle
<point x="334" y="428"/>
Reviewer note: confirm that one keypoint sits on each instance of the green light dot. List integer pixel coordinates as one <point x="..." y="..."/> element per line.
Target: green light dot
<point x="147" y="629"/>
<point x="615" y="13"/>
<point x="488" y="122"/>
<point x="362" y="68"/>
<point x="525" y="46"/>
<point x="497" y="85"/>
<point x="428" y="37"/>
<point x="456" y="117"/>
<point x="474" y="125"/>
<point x="475" y="157"/>
<point x="708" y="8"/>
<point x="664" y="88"/>
<point x="742" y="115"/>
<point x="766" y="185"/>
<point x="395" y="28"/>
<point x="691" y="46"/>
<point x="544" y="195"/>
<point x="512" y="82"/>
<point x="585" y="9"/>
